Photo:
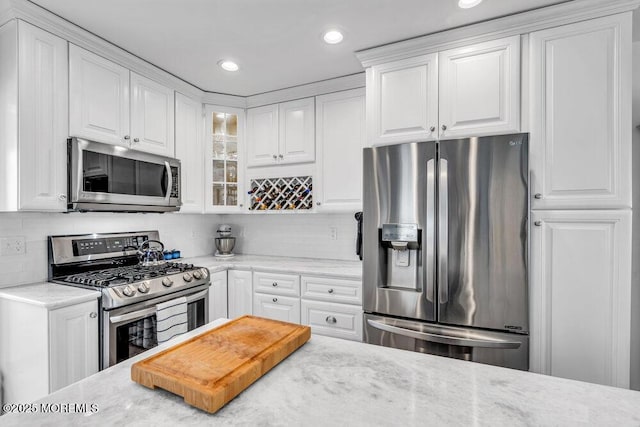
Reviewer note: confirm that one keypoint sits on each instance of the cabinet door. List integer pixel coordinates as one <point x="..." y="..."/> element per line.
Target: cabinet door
<point x="98" y="97"/>
<point x="297" y="132"/>
<point x="340" y="138"/>
<point x="480" y="89"/>
<point x="404" y="100"/>
<point x="73" y="343"/>
<point x="152" y="116"/>
<point x="189" y="149"/>
<point x="286" y="309"/>
<point x="43" y="124"/>
<point x="580" y="295"/>
<point x="239" y="293"/>
<point x="218" y="296"/>
<point x="334" y="320"/>
<point x="262" y="135"/>
<point x="581" y="115"/>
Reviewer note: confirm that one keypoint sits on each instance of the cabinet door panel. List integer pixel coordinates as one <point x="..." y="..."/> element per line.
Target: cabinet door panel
<point x="43" y="89"/>
<point x="189" y="149"/>
<point x="480" y="89"/>
<point x="334" y="320"/>
<point x="98" y="97"/>
<point x="580" y="293"/>
<point x="262" y="135"/>
<point x="340" y="138"/>
<point x="404" y="105"/>
<point x="297" y="132"/>
<point x="152" y="123"/>
<point x="580" y="115"/>
<point x="240" y="300"/>
<point x="286" y="309"/>
<point x="218" y="296"/>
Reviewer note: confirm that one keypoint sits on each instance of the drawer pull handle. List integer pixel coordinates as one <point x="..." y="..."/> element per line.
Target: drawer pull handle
<point x="274" y="284"/>
<point x="275" y="300"/>
<point x="331" y="320"/>
<point x="330" y="291"/>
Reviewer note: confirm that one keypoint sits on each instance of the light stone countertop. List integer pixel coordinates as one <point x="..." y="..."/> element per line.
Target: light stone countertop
<point x="48" y="295"/>
<point x="312" y="266"/>
<point x="334" y="382"/>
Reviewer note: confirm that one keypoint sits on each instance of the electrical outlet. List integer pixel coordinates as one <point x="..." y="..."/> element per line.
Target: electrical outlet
<point x="333" y="233"/>
<point x="16" y="245"/>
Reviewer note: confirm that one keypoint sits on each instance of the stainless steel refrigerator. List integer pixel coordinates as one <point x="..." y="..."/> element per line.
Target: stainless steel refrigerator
<point x="445" y="230"/>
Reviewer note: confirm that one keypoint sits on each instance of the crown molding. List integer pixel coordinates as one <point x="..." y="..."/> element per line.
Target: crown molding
<point x="521" y="23"/>
<point x="213" y="98"/>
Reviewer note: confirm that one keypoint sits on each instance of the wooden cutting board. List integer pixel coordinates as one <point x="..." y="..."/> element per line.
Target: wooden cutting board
<point x="212" y="368"/>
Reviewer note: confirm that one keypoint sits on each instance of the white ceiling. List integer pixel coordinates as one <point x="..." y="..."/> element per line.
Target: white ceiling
<point x="277" y="43"/>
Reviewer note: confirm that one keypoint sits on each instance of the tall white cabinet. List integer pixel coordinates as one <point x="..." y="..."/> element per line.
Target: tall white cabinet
<point x="190" y="149"/>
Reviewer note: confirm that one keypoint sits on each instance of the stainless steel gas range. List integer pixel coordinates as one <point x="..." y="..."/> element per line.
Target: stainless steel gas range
<point x="131" y="289"/>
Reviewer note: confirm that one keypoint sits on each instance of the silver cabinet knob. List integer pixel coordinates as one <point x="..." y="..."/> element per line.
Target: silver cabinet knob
<point x="274" y="284"/>
<point x="318" y="203"/>
<point x="331" y="320"/>
<point x="537" y="196"/>
<point x="62" y="197"/>
<point x="330" y="291"/>
<point x="538" y="223"/>
<point x="432" y="129"/>
<point x="136" y="139"/>
<point x="93" y="314"/>
<point x="275" y="157"/>
<point x="275" y="300"/>
<point x="444" y="127"/>
<point x="240" y="205"/>
<point x="281" y="156"/>
<point x="127" y="137"/>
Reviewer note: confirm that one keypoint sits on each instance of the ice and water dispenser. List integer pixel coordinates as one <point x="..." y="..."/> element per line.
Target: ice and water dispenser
<point x="402" y="245"/>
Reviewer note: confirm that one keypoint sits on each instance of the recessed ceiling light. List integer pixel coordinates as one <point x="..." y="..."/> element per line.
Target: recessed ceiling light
<point x="466" y="4"/>
<point x="333" y="37"/>
<point x="225" y="64"/>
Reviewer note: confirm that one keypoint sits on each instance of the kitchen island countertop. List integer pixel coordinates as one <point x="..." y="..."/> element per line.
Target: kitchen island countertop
<point x="336" y="382"/>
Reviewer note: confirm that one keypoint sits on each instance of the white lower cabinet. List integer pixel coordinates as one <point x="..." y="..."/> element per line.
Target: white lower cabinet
<point x="336" y="320"/>
<point x="286" y="309"/>
<point x="43" y="350"/>
<point x="239" y="293"/>
<point x="218" y="296"/>
<point x="580" y="295"/>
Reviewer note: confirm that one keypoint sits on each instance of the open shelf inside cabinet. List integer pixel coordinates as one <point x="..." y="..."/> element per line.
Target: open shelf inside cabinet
<point x="274" y="194"/>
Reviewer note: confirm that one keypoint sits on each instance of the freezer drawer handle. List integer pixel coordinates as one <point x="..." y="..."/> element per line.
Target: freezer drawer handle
<point x="444" y="339"/>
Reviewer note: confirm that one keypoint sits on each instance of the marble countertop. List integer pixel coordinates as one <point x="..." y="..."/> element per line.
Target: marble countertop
<point x="48" y="295"/>
<point x="313" y="266"/>
<point x="336" y="382"/>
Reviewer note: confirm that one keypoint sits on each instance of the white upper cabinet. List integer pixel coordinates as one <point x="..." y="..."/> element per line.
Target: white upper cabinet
<point x="580" y="295"/>
<point x="43" y="125"/>
<point x="340" y="138"/>
<point x="98" y="98"/>
<point x="152" y="116"/>
<point x="281" y="133"/>
<point x="581" y="115"/>
<point x="189" y="149"/>
<point x="100" y="95"/>
<point x="480" y="89"/>
<point x="403" y="100"/>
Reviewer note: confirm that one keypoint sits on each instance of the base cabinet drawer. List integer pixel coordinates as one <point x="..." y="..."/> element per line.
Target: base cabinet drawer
<point x="335" y="320"/>
<point x="331" y="289"/>
<point x="276" y="283"/>
<point x="286" y="309"/>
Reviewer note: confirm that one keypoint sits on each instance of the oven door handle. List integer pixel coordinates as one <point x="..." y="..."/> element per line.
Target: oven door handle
<point x="151" y="310"/>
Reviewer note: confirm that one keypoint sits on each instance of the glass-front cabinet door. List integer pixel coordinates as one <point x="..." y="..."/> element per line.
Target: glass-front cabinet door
<point x="224" y="139"/>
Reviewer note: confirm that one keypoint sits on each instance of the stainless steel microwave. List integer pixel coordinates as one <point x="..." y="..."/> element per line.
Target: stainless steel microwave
<point x="112" y="178"/>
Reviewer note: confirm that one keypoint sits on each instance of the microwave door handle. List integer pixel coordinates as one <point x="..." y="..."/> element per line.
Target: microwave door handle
<point x="167" y="196"/>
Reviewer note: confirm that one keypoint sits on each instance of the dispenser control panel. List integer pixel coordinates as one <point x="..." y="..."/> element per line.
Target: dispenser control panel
<point x="399" y="232"/>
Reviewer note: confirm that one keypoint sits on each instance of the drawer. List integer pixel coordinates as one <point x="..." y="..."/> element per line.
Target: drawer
<point x="332" y="290"/>
<point x="276" y="283"/>
<point x="286" y="309"/>
<point x="334" y="320"/>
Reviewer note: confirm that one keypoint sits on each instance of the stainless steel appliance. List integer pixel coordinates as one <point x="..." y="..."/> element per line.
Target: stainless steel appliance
<point x="225" y="243"/>
<point x="445" y="248"/>
<point x="130" y="290"/>
<point x="103" y="177"/>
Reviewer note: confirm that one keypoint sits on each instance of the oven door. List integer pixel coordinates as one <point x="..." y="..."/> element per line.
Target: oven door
<point x="111" y="177"/>
<point x="129" y="331"/>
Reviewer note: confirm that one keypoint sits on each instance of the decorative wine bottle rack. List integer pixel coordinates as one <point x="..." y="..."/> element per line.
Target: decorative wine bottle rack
<point x="273" y="194"/>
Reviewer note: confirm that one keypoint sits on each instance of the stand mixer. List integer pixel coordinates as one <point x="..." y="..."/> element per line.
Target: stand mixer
<point x="225" y="242"/>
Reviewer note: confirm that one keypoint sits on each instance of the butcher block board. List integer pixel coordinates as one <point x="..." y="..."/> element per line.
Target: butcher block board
<point x="212" y="368"/>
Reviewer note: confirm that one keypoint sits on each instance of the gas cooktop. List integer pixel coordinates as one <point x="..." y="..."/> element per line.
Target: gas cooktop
<point x="126" y="275"/>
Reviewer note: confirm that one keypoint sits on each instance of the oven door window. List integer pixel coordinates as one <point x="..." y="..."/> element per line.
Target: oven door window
<point x="139" y="335"/>
<point x="104" y="173"/>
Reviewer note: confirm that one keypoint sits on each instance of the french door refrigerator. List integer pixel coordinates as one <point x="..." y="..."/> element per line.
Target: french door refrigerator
<point x="445" y="232"/>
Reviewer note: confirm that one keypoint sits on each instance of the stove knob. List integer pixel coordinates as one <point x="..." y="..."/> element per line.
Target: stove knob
<point x="197" y="275"/>
<point x="144" y="287"/>
<point x="187" y="277"/>
<point x="167" y="282"/>
<point x="129" y="291"/>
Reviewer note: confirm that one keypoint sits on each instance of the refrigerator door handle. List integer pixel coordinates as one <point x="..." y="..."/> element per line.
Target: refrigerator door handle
<point x="443" y="230"/>
<point x="482" y="342"/>
<point x="431" y="229"/>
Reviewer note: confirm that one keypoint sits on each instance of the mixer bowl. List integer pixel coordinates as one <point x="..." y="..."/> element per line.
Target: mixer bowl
<point x="225" y="245"/>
